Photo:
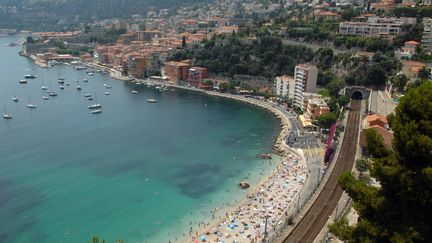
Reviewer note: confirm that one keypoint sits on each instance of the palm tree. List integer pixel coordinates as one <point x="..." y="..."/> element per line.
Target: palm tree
<point x="424" y="73"/>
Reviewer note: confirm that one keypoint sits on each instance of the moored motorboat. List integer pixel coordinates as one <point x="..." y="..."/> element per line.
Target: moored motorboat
<point x="29" y="76"/>
<point x="31" y="106"/>
<point x="152" y="101"/>
<point x="23" y="81"/>
<point x="96" y="111"/>
<point x="134" y="92"/>
<point x="78" y="87"/>
<point x="107" y="93"/>
<point x="87" y="95"/>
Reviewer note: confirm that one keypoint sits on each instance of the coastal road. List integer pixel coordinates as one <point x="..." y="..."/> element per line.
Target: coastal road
<point x="307" y="229"/>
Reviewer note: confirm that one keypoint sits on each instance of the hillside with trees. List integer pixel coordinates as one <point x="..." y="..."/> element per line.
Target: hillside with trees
<point x="229" y="55"/>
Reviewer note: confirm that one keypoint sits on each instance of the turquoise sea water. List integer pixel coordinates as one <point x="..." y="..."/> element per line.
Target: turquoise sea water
<point x="137" y="171"/>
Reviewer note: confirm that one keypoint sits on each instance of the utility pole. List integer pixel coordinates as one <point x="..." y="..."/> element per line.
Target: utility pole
<point x="298" y="204"/>
<point x="265" y="229"/>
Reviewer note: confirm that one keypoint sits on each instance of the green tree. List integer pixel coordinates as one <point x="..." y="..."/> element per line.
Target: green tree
<point x="424" y="73"/>
<point x="399" y="81"/>
<point x="362" y="165"/>
<point x="400" y="209"/>
<point x="343" y="100"/>
<point x="375" y="143"/>
<point x="326" y="120"/>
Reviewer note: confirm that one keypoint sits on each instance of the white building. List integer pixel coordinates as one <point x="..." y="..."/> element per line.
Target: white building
<point x="284" y="86"/>
<point x="376" y="27"/>
<point x="305" y="77"/>
<point x="427" y="34"/>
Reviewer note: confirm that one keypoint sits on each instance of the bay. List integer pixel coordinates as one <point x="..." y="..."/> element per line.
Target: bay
<point x="138" y="171"/>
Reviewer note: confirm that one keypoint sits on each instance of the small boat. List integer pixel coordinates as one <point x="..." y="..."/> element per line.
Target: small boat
<point x="87" y="95"/>
<point x="52" y="93"/>
<point x="85" y="80"/>
<point x="5" y="114"/>
<point x="31" y="106"/>
<point x="45" y="97"/>
<point x="108" y="87"/>
<point x="134" y="92"/>
<point x="96" y="111"/>
<point x="80" y="67"/>
<point x="107" y="93"/>
<point x="152" y="101"/>
<point x="95" y="105"/>
<point x="90" y="98"/>
<point x="44" y="87"/>
<point x="22" y="81"/>
<point x="67" y="84"/>
<point x="14" y="97"/>
<point x="61" y="78"/>
<point x="90" y="74"/>
<point x="61" y="87"/>
<point x="105" y="85"/>
<point x="78" y="87"/>
<point x="29" y="76"/>
<point x="61" y="81"/>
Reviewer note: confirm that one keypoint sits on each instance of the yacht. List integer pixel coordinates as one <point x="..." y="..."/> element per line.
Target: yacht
<point x="45" y="97"/>
<point x="5" y="114"/>
<point x="95" y="105"/>
<point x="152" y="101"/>
<point x="96" y="111"/>
<point x="134" y="92"/>
<point x="61" y="87"/>
<point x="44" y="87"/>
<point x="29" y="76"/>
<point x="107" y="93"/>
<point x="61" y="81"/>
<point x="31" y="106"/>
<point x="23" y="81"/>
<point x="14" y="97"/>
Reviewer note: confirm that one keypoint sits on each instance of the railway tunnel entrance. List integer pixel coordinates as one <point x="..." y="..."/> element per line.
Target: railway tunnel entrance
<point x="357" y="95"/>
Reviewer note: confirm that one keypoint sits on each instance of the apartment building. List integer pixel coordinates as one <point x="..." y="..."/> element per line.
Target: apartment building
<point x="284" y="86"/>
<point x="305" y="77"/>
<point x="427" y="34"/>
<point x="376" y="27"/>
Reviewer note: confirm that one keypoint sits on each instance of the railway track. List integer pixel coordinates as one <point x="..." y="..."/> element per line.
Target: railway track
<point x="316" y="217"/>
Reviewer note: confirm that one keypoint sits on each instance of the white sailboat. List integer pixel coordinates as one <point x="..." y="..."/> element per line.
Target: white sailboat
<point x="95" y="105"/>
<point x="6" y="115"/>
<point x="30" y="104"/>
<point x="14" y="97"/>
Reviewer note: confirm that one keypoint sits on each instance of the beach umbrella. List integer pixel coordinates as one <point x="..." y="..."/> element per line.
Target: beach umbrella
<point x="203" y="238"/>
